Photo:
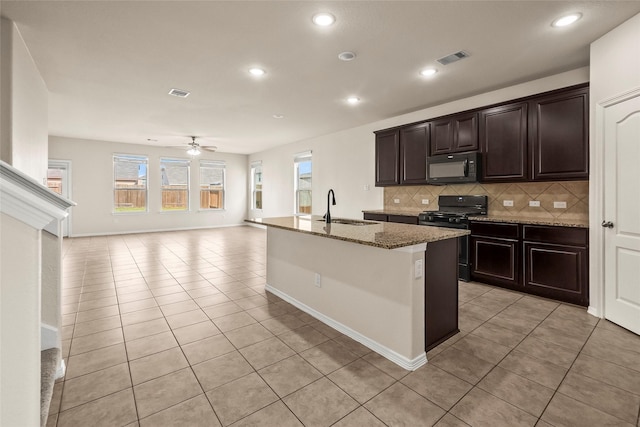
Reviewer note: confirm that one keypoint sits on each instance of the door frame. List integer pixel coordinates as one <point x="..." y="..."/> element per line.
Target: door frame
<point x="65" y="164"/>
<point x="596" y="203"/>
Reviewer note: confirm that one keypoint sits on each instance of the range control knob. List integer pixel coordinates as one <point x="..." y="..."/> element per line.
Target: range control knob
<point x="430" y="218"/>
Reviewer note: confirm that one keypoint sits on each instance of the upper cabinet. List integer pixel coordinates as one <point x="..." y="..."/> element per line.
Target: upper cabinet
<point x="454" y="134"/>
<point x="387" y="158"/>
<point x="503" y="141"/>
<point x="543" y="137"/>
<point x="414" y="148"/>
<point x="559" y="138"/>
<point x="401" y="155"/>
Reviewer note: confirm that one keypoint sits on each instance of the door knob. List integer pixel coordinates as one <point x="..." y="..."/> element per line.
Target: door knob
<point x="607" y="224"/>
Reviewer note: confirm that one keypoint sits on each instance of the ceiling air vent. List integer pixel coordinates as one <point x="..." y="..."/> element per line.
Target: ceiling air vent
<point x="179" y="93"/>
<point x="446" y="60"/>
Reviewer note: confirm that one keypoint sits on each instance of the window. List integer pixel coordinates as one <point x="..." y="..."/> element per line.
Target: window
<point x="302" y="184"/>
<point x="256" y="185"/>
<point x="212" y="182"/>
<point x="175" y="184"/>
<point x="129" y="183"/>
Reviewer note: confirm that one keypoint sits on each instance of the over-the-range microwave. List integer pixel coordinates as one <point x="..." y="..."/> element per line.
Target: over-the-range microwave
<point x="454" y="168"/>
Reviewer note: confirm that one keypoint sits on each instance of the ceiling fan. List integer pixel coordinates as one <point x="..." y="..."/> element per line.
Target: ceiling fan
<point x="195" y="148"/>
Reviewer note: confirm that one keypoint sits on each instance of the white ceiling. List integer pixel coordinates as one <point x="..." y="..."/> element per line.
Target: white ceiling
<point x="109" y="64"/>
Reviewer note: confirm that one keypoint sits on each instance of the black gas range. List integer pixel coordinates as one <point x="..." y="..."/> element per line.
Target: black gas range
<point x="454" y="212"/>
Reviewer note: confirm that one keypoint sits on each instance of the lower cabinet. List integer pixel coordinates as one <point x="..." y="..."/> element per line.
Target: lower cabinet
<point x="495" y="254"/>
<point x="556" y="263"/>
<point x="404" y="219"/>
<point x="548" y="261"/>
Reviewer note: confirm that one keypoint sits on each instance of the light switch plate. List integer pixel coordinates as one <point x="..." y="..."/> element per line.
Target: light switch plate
<point x="396" y="200"/>
<point x="507" y="203"/>
<point x="560" y="205"/>
<point x="367" y="187"/>
<point x="425" y="201"/>
<point x="534" y="203"/>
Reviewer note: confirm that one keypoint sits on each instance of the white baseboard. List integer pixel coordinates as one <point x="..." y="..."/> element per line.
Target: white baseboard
<point x="398" y="359"/>
<point x="155" y="230"/>
<point x="62" y="369"/>
<point x="594" y="312"/>
<point x="48" y="337"/>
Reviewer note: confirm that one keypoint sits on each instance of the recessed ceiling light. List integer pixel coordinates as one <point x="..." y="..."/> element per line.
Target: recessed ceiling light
<point x="428" y="72"/>
<point x="323" y="19"/>
<point x="353" y="100"/>
<point x="278" y="116"/>
<point x="566" y="20"/>
<point x="257" y="71"/>
<point x="346" y="56"/>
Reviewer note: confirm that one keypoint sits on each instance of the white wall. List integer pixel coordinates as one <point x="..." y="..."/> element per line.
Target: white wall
<point x="615" y="69"/>
<point x="344" y="160"/>
<point x="92" y="186"/>
<point x="24" y="107"/>
<point x="20" y="323"/>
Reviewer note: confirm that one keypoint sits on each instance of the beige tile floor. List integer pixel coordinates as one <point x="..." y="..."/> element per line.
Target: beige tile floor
<point x="176" y="329"/>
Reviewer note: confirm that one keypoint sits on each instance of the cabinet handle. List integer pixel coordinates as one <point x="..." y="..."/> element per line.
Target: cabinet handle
<point x="607" y="224"/>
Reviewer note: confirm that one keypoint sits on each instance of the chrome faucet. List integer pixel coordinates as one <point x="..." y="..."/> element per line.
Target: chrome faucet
<point x="327" y="216"/>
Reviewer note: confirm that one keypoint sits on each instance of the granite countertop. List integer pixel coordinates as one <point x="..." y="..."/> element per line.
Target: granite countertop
<point x="533" y="221"/>
<point x="386" y="235"/>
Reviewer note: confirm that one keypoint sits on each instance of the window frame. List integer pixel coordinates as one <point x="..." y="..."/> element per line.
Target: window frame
<point x="131" y="158"/>
<point x="299" y="158"/>
<point x="185" y="162"/>
<point x="216" y="164"/>
<point x="256" y="167"/>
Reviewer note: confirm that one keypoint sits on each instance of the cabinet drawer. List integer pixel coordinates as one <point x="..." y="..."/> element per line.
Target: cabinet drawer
<point x="404" y="219"/>
<point x="492" y="229"/>
<point x="375" y="217"/>
<point x="557" y="235"/>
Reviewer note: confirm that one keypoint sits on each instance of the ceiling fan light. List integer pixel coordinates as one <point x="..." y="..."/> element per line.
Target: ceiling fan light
<point x="193" y="151"/>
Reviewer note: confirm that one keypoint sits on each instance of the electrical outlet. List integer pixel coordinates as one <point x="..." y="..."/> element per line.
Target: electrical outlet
<point x="418" y="269"/>
<point x="425" y="201"/>
<point x="317" y="280"/>
<point x="367" y="187"/>
<point x="534" y="203"/>
<point x="396" y="200"/>
<point x="560" y="205"/>
<point x="507" y="203"/>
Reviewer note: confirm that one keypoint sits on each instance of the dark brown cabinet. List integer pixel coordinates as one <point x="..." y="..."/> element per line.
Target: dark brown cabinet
<point x="555" y="263"/>
<point x="559" y="135"/>
<point x="454" y="134"/>
<point x="503" y="141"/>
<point x="401" y="155"/>
<point x="548" y="261"/>
<point x="404" y="219"/>
<point x="414" y="148"/>
<point x="387" y="158"/>
<point x="495" y="254"/>
<point x="538" y="138"/>
<point x="375" y="217"/>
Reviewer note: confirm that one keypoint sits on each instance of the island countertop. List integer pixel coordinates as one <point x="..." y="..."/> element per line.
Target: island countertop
<point x="386" y="235"/>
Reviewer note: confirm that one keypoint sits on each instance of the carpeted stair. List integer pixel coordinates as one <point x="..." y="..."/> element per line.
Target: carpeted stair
<point x="48" y="366"/>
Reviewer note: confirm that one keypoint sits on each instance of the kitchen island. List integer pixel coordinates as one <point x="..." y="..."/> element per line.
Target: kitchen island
<point x="372" y="281"/>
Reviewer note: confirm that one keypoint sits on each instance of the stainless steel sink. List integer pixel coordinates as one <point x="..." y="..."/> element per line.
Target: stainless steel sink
<point x="349" y="221"/>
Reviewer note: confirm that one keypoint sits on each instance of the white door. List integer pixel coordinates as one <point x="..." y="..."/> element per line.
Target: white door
<point x="59" y="180"/>
<point x="622" y="212"/>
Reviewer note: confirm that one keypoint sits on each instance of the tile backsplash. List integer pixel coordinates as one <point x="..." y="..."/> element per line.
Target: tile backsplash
<point x="574" y="193"/>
